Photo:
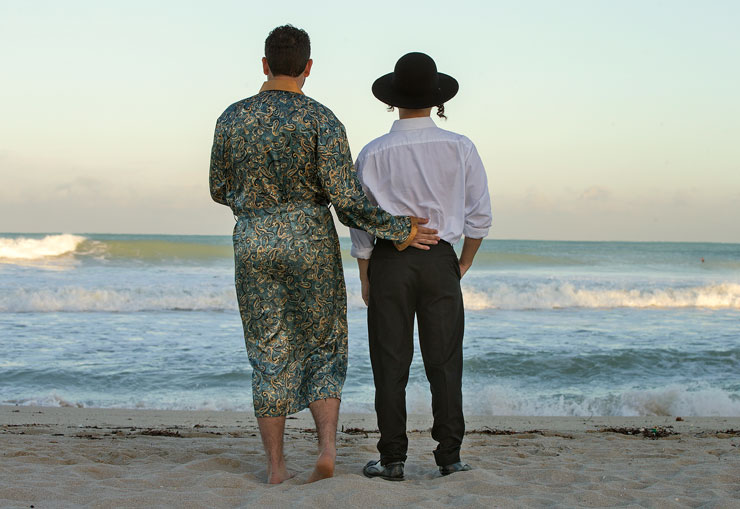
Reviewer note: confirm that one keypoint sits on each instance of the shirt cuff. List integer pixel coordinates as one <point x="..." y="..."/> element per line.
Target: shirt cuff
<point x="475" y="233"/>
<point x="361" y="252"/>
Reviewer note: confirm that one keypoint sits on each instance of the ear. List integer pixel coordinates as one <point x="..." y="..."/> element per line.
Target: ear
<point x="265" y="67"/>
<point x="307" y="70"/>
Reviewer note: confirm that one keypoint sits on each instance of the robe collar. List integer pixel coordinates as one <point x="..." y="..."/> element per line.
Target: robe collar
<point x="285" y="85"/>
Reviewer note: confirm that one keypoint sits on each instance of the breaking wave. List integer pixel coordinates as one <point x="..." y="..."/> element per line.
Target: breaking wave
<point x="478" y="401"/>
<point x="670" y="400"/>
<point x="557" y="295"/>
<point x="30" y="249"/>
<point x="140" y="248"/>
<point x="153" y="298"/>
<point x="503" y="297"/>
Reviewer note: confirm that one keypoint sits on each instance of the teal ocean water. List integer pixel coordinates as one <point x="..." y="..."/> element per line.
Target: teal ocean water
<point x="552" y="328"/>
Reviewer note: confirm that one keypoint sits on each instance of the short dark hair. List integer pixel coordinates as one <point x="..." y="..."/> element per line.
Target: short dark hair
<point x="287" y="50"/>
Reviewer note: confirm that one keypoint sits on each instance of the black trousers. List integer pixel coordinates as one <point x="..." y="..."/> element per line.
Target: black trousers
<point x="425" y="284"/>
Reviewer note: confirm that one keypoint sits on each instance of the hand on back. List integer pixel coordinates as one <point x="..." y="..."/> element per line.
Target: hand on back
<point x="424" y="236"/>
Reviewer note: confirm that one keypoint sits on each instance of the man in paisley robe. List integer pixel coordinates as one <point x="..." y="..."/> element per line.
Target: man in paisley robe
<point x="279" y="160"/>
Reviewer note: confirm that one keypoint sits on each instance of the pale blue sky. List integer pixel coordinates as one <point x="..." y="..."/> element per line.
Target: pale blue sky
<point x="596" y="120"/>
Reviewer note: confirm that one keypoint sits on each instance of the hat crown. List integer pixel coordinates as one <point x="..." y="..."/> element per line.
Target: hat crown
<point x="415" y="83"/>
<point x="416" y="74"/>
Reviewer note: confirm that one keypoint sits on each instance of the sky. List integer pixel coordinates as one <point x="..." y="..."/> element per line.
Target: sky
<point x="596" y="120"/>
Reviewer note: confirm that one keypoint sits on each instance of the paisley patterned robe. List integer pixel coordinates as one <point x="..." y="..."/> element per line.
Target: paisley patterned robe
<point x="279" y="159"/>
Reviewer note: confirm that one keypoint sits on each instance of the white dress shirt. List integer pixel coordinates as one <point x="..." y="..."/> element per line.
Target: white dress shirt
<point x="418" y="169"/>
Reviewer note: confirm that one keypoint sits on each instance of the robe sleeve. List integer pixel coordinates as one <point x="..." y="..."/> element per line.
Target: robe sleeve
<point x="219" y="176"/>
<point x="339" y="180"/>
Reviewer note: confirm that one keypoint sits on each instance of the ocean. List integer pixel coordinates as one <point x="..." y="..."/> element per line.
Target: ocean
<point x="552" y="328"/>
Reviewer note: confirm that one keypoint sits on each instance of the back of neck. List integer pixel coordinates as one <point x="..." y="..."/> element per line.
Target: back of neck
<point x="414" y="113"/>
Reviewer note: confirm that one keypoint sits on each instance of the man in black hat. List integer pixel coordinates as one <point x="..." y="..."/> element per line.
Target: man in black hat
<point x="420" y="170"/>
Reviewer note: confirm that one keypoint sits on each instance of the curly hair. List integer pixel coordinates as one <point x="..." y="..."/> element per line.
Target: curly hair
<point x="287" y="50"/>
<point x="440" y="111"/>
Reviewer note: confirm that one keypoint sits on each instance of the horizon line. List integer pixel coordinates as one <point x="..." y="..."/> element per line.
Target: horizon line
<point x="509" y="239"/>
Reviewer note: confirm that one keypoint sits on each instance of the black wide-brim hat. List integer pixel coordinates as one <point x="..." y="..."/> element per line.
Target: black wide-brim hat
<point x="415" y="84"/>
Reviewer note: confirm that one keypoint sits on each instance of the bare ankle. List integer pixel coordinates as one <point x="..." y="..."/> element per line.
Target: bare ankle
<point x="278" y="475"/>
<point x="324" y="468"/>
<point x="328" y="452"/>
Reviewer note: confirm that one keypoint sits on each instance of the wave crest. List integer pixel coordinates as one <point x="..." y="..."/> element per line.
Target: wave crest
<point x="79" y="299"/>
<point x="664" y="401"/>
<point x="503" y="399"/>
<point x="558" y="295"/>
<point x="487" y="400"/>
<point x="499" y="296"/>
<point x="29" y="249"/>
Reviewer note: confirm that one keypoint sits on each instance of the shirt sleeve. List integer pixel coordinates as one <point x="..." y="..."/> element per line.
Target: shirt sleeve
<point x="478" y="217"/>
<point x="219" y="175"/>
<point x="362" y="242"/>
<point x="339" y="181"/>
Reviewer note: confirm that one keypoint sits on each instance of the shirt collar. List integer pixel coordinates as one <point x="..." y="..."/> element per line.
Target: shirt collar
<point x="285" y="85"/>
<point x="408" y="124"/>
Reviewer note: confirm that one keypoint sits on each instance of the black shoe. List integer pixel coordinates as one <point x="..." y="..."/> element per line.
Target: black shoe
<point x="390" y="472"/>
<point x="455" y="467"/>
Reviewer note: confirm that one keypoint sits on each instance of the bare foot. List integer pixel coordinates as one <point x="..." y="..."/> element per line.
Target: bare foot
<point x="324" y="467"/>
<point x="278" y="476"/>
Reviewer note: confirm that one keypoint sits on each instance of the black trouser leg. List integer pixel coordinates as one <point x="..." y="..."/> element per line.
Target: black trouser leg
<point x="391" y="334"/>
<point x="441" y="320"/>
<point x="425" y="283"/>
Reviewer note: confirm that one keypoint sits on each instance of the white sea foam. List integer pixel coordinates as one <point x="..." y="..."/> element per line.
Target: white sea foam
<point x="52" y="399"/>
<point x="27" y="249"/>
<point x="554" y="295"/>
<point x="663" y="401"/>
<point x="507" y="400"/>
<point x="76" y="299"/>
<point x="489" y="400"/>
<point x="545" y="296"/>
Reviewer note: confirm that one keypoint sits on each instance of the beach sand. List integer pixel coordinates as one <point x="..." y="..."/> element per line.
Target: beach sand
<point x="64" y="457"/>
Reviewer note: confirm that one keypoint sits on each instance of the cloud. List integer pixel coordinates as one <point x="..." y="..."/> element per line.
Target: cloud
<point x="534" y="198"/>
<point x="685" y="197"/>
<point x="80" y="184"/>
<point x="595" y="193"/>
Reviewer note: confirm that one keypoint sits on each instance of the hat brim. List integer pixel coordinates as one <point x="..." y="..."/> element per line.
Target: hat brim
<point x="384" y="90"/>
